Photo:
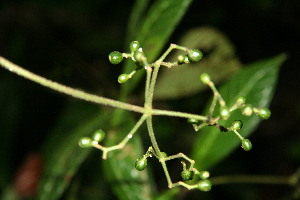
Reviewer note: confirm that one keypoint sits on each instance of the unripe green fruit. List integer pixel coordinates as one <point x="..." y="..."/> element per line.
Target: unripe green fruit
<point x="98" y="136"/>
<point x="205" y="78"/>
<point x="138" y="56"/>
<point x="135" y="45"/>
<point x="141" y="164"/>
<point x="181" y="59"/>
<point x="246" y="145"/>
<point x="85" y="142"/>
<point x="247" y="110"/>
<point x="195" y="55"/>
<point x="225" y="113"/>
<point x="204" y="185"/>
<point x="264" y="113"/>
<point x="123" y="78"/>
<point x="187" y="175"/>
<point x="236" y="125"/>
<point x="204" y="175"/>
<point x="192" y="121"/>
<point x="115" y="57"/>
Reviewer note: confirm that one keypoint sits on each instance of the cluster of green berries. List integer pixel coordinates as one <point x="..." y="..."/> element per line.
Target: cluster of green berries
<point x="188" y="174"/>
<point x="247" y="110"/>
<point x="193" y="55"/>
<point x="86" y="142"/>
<point x="137" y="55"/>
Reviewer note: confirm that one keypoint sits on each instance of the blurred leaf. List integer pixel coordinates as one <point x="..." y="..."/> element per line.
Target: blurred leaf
<point x="9" y="194"/>
<point x="62" y="155"/>
<point x="126" y="181"/>
<point x="220" y="63"/>
<point x="169" y="194"/>
<point x="89" y="184"/>
<point x="136" y="17"/>
<point x="163" y="15"/>
<point x="256" y="83"/>
<point x="10" y="107"/>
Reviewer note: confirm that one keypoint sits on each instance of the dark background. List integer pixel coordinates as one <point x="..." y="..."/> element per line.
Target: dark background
<point x="67" y="41"/>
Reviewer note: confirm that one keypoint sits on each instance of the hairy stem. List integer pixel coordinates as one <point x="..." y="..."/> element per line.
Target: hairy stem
<point x="87" y="96"/>
<point x="67" y="90"/>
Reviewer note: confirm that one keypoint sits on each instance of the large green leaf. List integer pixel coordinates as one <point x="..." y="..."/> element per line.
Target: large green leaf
<point x="220" y="63"/>
<point x="160" y="22"/>
<point x="257" y="83"/>
<point x="61" y="152"/>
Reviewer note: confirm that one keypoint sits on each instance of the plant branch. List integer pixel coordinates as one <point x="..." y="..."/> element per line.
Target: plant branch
<point x="65" y="89"/>
<point x="87" y="96"/>
<point x="123" y="142"/>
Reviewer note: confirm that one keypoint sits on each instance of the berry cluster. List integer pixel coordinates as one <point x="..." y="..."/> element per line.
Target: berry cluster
<point x="246" y="109"/>
<point x="189" y="172"/>
<point x="87" y="142"/>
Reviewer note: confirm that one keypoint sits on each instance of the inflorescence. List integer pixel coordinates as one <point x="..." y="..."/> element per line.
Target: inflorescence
<point x="189" y="172"/>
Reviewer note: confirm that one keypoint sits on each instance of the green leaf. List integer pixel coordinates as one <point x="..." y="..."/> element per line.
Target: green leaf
<point x="257" y="83"/>
<point x="163" y="15"/>
<point x="169" y="194"/>
<point x="221" y="62"/>
<point x="135" y="20"/>
<point x="61" y="154"/>
<point x="127" y="182"/>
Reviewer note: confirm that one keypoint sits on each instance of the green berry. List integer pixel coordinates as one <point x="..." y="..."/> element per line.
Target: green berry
<point x="115" y="57"/>
<point x="192" y="121"/>
<point x="205" y="78"/>
<point x="246" y="145"/>
<point x="264" y="113"/>
<point x="204" y="175"/>
<point x="141" y="164"/>
<point x="187" y="175"/>
<point x="98" y="136"/>
<point x="241" y="100"/>
<point x="225" y="113"/>
<point x="135" y="45"/>
<point x="181" y="59"/>
<point x="85" y="142"/>
<point x="195" y="55"/>
<point x="123" y="78"/>
<point x="186" y="60"/>
<point x="204" y="185"/>
<point x="247" y="110"/>
<point x="138" y="56"/>
<point x="236" y="125"/>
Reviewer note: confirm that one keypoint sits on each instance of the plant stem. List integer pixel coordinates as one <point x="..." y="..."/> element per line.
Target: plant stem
<point x="65" y="89"/>
<point x="178" y="114"/>
<point x="124" y="141"/>
<point x="152" y="136"/>
<point x="86" y="96"/>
